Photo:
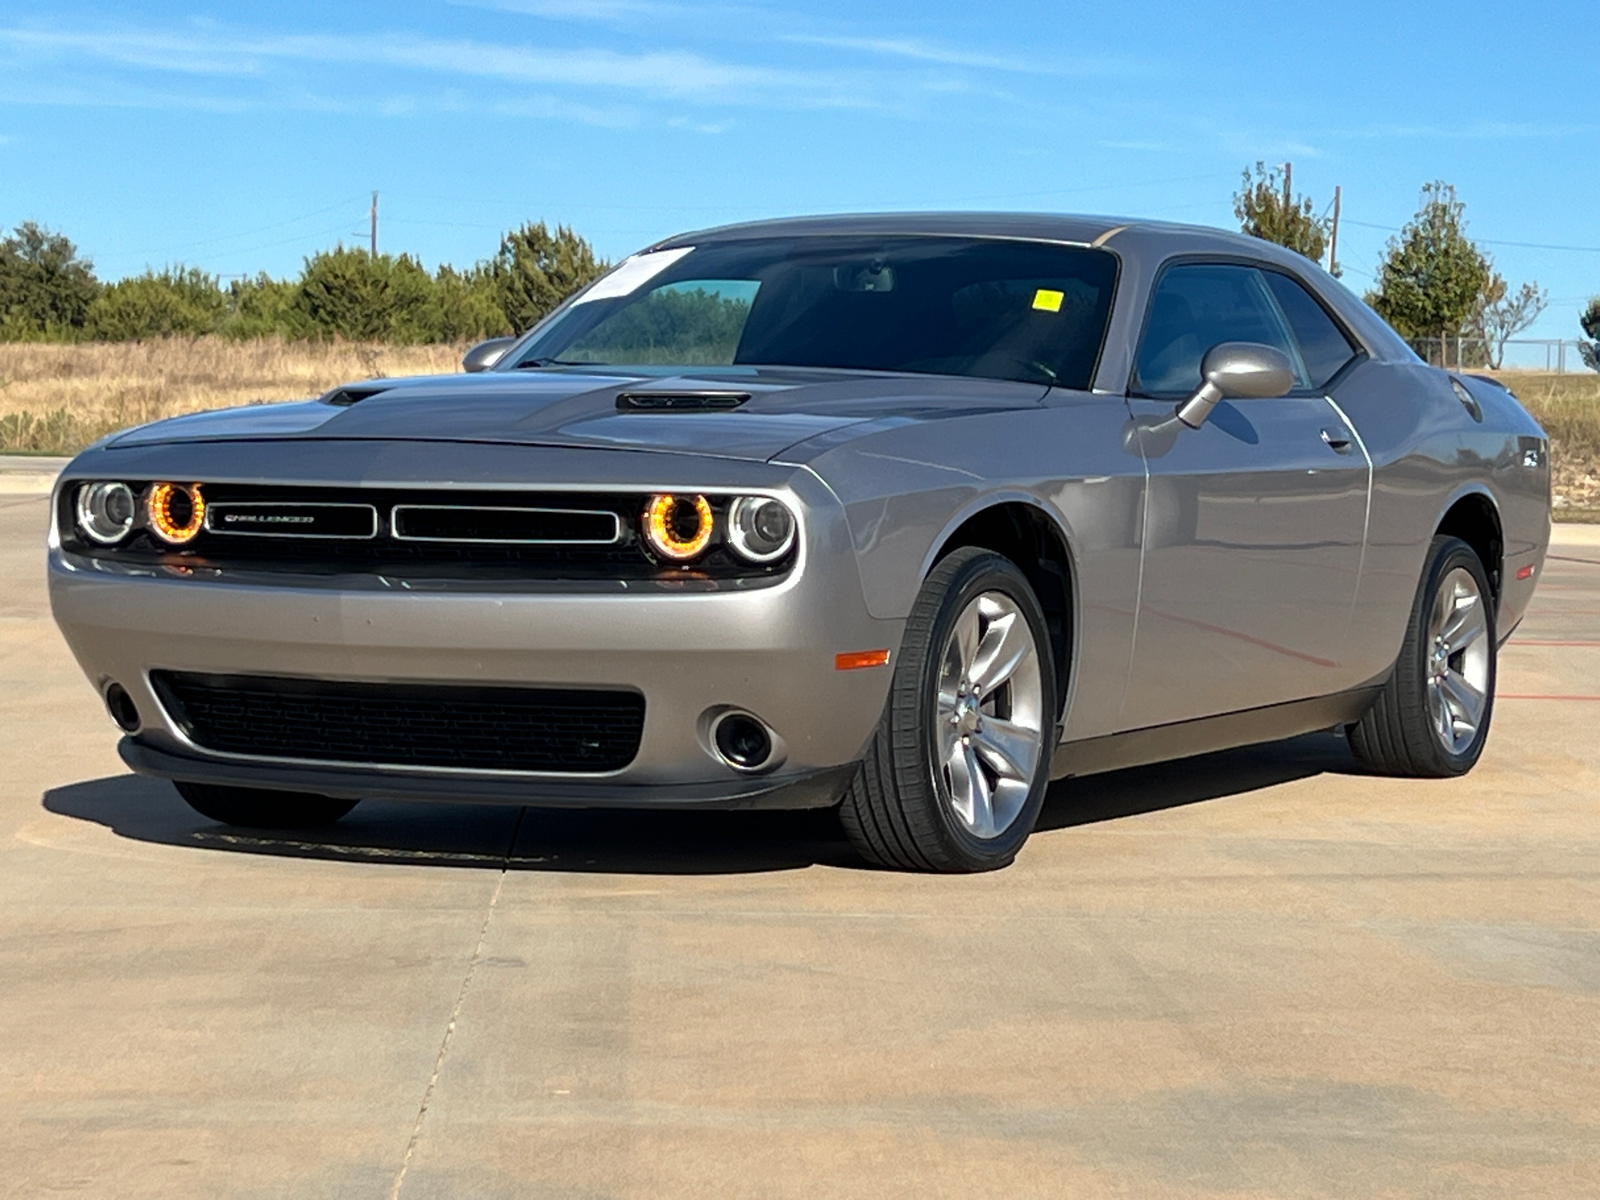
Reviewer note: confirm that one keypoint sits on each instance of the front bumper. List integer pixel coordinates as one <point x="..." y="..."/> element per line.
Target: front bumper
<point x="768" y="650"/>
<point x="812" y="789"/>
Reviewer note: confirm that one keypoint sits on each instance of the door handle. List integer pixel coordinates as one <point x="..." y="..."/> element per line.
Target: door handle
<point x="1337" y="442"/>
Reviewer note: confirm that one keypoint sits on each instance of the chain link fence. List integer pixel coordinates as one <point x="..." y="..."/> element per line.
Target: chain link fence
<point x="1555" y="355"/>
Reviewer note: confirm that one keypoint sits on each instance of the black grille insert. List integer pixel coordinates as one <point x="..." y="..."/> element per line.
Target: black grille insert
<point x="493" y="524"/>
<point x="406" y="724"/>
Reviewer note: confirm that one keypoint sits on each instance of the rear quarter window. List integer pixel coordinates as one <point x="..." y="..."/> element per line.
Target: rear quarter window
<point x="1324" y="349"/>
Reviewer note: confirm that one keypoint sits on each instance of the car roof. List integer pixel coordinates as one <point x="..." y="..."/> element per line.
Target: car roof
<point x="1055" y="227"/>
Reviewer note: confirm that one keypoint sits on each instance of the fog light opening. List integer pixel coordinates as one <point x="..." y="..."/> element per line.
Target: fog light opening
<point x="122" y="708"/>
<point x="742" y="741"/>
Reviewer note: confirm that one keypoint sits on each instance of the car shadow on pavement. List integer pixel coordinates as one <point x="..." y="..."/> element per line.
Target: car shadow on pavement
<point x="620" y="841"/>
<point x="1139" y="790"/>
<point x="478" y="835"/>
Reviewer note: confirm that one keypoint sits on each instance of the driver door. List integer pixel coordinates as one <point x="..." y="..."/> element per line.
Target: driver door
<point x="1254" y="524"/>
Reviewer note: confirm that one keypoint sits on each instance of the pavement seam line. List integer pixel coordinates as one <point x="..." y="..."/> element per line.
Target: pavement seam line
<point x="455" y="1012"/>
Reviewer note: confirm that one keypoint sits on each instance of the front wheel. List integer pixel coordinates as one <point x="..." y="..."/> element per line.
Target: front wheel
<point x="955" y="776"/>
<point x="1432" y="717"/>
<point x="262" y="808"/>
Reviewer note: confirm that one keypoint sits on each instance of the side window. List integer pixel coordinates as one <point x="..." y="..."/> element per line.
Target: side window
<point x="1323" y="346"/>
<point x="1197" y="306"/>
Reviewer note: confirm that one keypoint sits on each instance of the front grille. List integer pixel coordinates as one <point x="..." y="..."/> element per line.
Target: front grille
<point x="405" y="724"/>
<point x="498" y="538"/>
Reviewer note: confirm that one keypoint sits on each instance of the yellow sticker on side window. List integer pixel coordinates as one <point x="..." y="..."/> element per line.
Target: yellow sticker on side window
<point x="1048" y="300"/>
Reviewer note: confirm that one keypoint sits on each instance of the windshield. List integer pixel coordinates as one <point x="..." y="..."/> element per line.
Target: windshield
<point x="944" y="306"/>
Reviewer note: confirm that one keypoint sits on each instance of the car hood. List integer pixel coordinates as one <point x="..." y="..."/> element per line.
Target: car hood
<point x="564" y="408"/>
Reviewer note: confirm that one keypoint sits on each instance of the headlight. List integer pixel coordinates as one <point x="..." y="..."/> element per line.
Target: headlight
<point x="678" y="527"/>
<point x="760" y="529"/>
<point x="175" y="512"/>
<point x="105" y="512"/>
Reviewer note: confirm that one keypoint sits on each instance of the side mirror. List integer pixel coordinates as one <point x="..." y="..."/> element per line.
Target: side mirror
<point x="485" y="354"/>
<point x="1237" y="371"/>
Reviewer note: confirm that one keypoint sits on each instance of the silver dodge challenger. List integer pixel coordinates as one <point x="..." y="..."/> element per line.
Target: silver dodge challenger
<point x="908" y="515"/>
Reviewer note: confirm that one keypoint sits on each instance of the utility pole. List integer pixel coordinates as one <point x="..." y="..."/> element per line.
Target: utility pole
<point x="1333" y="242"/>
<point x="1288" y="191"/>
<point x="374" y="224"/>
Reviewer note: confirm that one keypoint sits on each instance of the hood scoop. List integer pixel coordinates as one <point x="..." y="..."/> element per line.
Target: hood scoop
<point x="344" y="397"/>
<point x="680" y="401"/>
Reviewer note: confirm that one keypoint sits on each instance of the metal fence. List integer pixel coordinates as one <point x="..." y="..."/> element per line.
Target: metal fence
<point x="1556" y="355"/>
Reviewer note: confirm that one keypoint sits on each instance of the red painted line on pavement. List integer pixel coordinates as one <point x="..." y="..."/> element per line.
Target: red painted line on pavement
<point x="1533" y="642"/>
<point x="1519" y="696"/>
<point x="1590" y="562"/>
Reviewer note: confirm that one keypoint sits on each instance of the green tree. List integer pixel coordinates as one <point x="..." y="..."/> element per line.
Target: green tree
<point x="1432" y="277"/>
<point x="668" y="326"/>
<point x="45" y="288"/>
<point x="1267" y="210"/>
<point x="1589" y="322"/>
<point x="264" y="307"/>
<point x="349" y="294"/>
<point x="535" y="270"/>
<point x="468" y="305"/>
<point x="177" y="301"/>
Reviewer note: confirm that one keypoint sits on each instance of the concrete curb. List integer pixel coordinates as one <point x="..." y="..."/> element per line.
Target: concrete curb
<point x="28" y="475"/>
<point x="1573" y="534"/>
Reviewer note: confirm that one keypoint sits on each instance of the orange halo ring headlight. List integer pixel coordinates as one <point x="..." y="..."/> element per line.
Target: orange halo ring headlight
<point x="678" y="527"/>
<point x="175" y="511"/>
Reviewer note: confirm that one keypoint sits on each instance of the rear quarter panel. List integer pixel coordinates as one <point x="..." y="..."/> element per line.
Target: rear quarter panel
<point x="1427" y="453"/>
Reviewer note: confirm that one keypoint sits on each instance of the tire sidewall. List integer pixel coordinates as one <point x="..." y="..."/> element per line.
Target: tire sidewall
<point x="984" y="571"/>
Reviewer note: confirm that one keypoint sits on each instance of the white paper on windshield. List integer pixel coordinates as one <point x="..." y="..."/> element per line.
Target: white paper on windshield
<point x="632" y="274"/>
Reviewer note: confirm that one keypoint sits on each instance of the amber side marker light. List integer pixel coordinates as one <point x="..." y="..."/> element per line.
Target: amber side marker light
<point x="176" y="512"/>
<point x="858" y="659"/>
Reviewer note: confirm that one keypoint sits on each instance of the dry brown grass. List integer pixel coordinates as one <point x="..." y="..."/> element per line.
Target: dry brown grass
<point x="58" y="399"/>
<point x="1568" y="406"/>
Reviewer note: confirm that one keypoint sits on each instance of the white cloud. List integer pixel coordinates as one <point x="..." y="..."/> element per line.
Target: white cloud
<point x="677" y="74"/>
<point x="1475" y="131"/>
<point x="918" y="51"/>
<point x="580" y="10"/>
<point x="937" y="54"/>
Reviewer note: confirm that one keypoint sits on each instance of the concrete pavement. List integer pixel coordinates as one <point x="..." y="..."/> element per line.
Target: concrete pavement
<point x="1258" y="973"/>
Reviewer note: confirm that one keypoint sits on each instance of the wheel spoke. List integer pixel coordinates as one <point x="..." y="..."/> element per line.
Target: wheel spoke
<point x="1465" y="701"/>
<point x="966" y="639"/>
<point x="1010" y="750"/>
<point x="1006" y="644"/>
<point x="1466" y="625"/>
<point x="969" y="790"/>
<point x="1440" y="612"/>
<point x="982" y="801"/>
<point x="1440" y="709"/>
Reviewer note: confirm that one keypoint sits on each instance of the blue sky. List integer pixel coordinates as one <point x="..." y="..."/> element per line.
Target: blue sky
<point x="241" y="138"/>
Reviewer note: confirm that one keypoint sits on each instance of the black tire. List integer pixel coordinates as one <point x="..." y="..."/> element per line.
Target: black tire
<point x="894" y="812"/>
<point x="262" y="808"/>
<point x="1397" y="736"/>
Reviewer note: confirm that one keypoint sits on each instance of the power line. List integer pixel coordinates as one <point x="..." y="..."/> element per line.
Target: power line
<point x="1488" y="241"/>
<point x="243" y="233"/>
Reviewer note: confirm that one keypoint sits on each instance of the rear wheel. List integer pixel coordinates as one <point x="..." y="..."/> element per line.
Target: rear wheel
<point x="262" y="808"/>
<point x="956" y="774"/>
<point x="1432" y="717"/>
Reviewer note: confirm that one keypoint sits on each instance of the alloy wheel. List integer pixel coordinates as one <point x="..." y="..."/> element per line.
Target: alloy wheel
<point x="1458" y="653"/>
<point x="989" y="716"/>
